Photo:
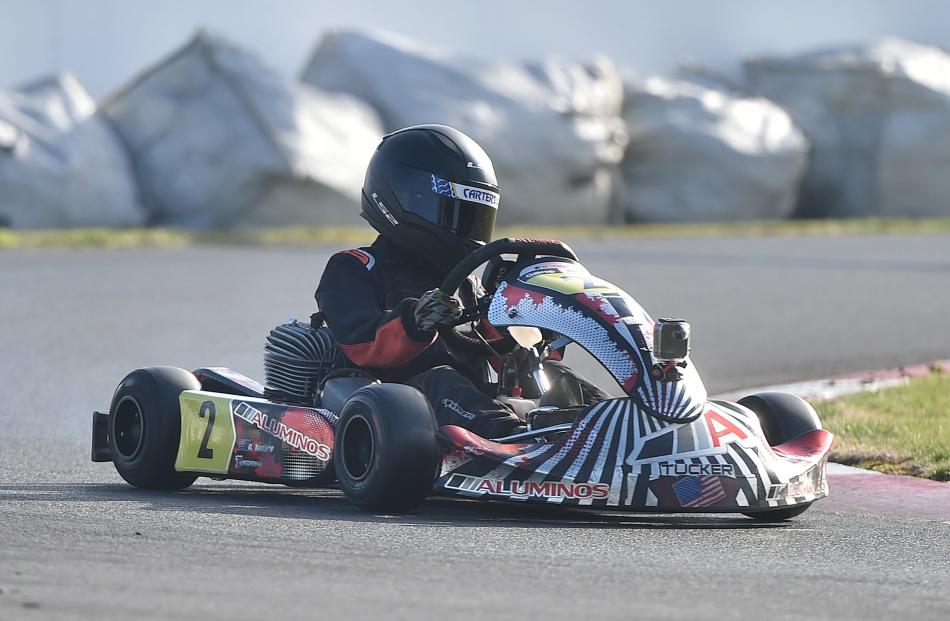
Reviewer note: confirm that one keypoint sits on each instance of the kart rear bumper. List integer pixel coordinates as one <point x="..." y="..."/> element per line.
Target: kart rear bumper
<point x="100" y="437"/>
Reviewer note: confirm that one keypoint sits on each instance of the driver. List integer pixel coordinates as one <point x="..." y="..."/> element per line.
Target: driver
<point x="431" y="194"/>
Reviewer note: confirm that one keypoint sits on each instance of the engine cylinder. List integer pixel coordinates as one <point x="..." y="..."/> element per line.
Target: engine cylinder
<point x="297" y="356"/>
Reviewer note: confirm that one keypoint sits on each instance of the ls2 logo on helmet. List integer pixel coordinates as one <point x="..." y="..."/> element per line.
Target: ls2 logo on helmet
<point x="382" y="208"/>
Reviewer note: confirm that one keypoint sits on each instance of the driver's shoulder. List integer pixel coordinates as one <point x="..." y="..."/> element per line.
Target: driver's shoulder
<point x="355" y="256"/>
<point x="347" y="268"/>
<point x="371" y="258"/>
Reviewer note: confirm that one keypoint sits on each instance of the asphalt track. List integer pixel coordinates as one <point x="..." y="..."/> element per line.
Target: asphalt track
<point x="75" y="542"/>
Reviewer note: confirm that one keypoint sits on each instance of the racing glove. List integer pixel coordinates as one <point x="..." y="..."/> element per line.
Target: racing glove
<point x="435" y="309"/>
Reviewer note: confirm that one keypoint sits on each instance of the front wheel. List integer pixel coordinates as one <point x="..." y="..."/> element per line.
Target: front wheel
<point x="145" y="427"/>
<point x="783" y="418"/>
<point x="386" y="454"/>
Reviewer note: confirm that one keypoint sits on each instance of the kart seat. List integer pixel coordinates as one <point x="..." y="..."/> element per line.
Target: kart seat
<point x="224" y="380"/>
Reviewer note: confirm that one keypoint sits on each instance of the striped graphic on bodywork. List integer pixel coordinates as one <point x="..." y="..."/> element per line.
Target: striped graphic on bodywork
<point x="618" y="445"/>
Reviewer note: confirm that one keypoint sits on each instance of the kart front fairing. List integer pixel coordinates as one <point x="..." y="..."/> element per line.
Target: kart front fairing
<point x="562" y="296"/>
<point x="664" y="447"/>
<point x="616" y="456"/>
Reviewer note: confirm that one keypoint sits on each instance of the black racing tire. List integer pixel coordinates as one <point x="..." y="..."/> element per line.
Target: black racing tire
<point x="778" y="515"/>
<point x="145" y="427"/>
<point x="783" y="416"/>
<point x="386" y="454"/>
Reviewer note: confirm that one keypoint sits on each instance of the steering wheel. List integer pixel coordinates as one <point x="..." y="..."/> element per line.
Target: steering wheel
<point x="524" y="248"/>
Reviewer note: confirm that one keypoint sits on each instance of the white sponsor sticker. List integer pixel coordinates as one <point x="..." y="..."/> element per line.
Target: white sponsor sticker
<point x="465" y="192"/>
<point x="476" y="195"/>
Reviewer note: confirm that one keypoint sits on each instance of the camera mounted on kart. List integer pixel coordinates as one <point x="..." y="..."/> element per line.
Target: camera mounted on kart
<point x="671" y="340"/>
<point x="670" y="348"/>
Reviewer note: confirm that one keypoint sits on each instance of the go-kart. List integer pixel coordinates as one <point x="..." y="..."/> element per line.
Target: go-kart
<point x="663" y="447"/>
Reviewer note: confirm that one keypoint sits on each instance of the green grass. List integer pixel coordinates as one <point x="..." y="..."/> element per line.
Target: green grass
<point x="775" y="228"/>
<point x="304" y="236"/>
<point x="899" y="430"/>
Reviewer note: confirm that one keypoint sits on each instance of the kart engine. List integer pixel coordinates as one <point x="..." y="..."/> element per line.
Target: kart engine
<point x="297" y="356"/>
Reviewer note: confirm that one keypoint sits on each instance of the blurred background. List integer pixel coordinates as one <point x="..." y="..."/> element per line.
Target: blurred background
<point x="227" y="114"/>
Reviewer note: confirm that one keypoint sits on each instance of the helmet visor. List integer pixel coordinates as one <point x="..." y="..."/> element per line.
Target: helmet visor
<point x="472" y="221"/>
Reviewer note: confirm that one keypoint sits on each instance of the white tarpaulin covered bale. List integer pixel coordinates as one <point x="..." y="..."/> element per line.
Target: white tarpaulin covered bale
<point x="698" y="153"/>
<point x="878" y="118"/>
<point x="220" y="140"/>
<point x="552" y="129"/>
<point x="61" y="165"/>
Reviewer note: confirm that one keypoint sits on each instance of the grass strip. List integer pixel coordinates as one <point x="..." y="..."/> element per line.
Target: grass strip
<point x="308" y="236"/>
<point x="900" y="430"/>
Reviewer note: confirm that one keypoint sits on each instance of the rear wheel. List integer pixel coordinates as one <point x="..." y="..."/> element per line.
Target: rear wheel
<point x="783" y="417"/>
<point x="386" y="453"/>
<point x="145" y="427"/>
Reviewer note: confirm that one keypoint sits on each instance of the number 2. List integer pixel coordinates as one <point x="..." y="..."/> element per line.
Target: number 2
<point x="204" y="452"/>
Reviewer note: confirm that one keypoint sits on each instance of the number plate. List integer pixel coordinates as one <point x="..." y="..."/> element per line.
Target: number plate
<point x="207" y="433"/>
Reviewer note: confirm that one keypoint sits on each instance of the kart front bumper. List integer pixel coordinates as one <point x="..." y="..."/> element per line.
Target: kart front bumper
<point x="743" y="474"/>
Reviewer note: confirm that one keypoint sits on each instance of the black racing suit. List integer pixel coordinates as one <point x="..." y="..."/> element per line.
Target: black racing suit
<point x="367" y="297"/>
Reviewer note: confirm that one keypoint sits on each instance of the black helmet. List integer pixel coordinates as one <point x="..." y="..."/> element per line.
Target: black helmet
<point x="432" y="190"/>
